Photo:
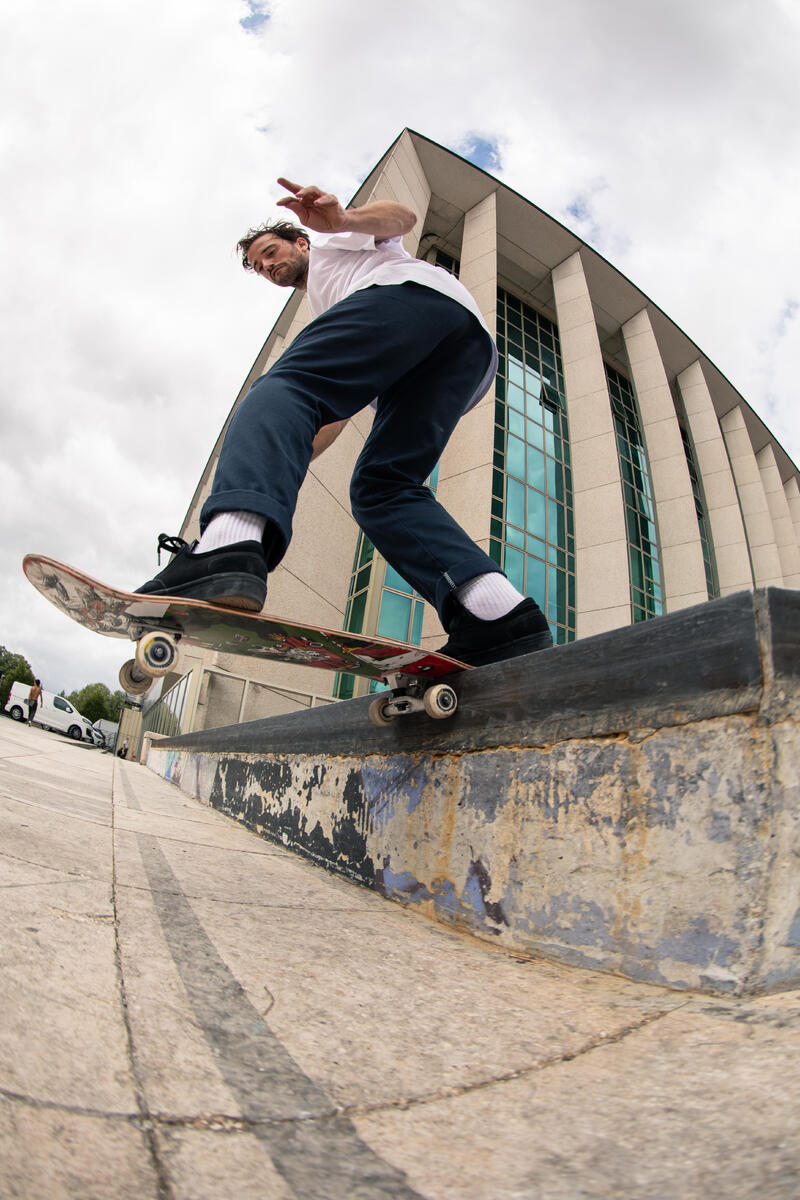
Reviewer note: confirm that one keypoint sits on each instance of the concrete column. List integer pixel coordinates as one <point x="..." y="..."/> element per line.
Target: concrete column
<point x="792" y="492"/>
<point x="782" y="524"/>
<point x="684" y="576"/>
<point x="404" y="181"/>
<point x="478" y="270"/>
<point x="601" y="541"/>
<point x="752" y="499"/>
<point x="724" y="515"/>
<point x="465" y="473"/>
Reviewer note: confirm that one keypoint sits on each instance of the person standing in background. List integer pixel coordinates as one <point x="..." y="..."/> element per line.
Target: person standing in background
<point x="34" y="696"/>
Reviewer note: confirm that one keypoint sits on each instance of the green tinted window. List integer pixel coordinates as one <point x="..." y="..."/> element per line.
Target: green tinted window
<point x="440" y="258"/>
<point x="532" y="524"/>
<point x="647" y="596"/>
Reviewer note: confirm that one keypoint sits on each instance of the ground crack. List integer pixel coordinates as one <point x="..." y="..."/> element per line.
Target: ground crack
<point x="149" y="1121"/>
<point x="452" y="1092"/>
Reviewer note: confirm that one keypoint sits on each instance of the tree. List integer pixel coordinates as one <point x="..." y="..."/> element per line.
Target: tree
<point x="13" y="669"/>
<point x="96" y="702"/>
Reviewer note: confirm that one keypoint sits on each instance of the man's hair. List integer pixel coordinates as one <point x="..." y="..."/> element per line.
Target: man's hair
<point x="281" y="229"/>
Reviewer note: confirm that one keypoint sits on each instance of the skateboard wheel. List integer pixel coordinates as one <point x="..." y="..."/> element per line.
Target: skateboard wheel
<point x="156" y="653"/>
<point x="440" y="701"/>
<point x="133" y="680"/>
<point x="377" y="711"/>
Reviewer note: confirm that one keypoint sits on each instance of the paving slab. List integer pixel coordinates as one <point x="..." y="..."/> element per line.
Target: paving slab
<point x="58" y="1154"/>
<point x="190" y="1012"/>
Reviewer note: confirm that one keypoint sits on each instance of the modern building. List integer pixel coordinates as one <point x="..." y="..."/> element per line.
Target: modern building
<point x="613" y="471"/>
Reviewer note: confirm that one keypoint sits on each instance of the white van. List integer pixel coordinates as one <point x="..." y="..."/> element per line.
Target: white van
<point x="54" y="712"/>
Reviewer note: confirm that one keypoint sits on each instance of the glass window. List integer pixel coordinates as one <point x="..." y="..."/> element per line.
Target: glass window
<point x="643" y="552"/>
<point x="416" y="628"/>
<point x="393" y="580"/>
<point x="515" y="502"/>
<point x="530" y="533"/>
<point x="537" y="507"/>
<point x="537" y="465"/>
<point x="515" y="394"/>
<point x="514" y="567"/>
<point x="515" y="457"/>
<point x="440" y="258"/>
<point x="355" y="612"/>
<point x="395" y="615"/>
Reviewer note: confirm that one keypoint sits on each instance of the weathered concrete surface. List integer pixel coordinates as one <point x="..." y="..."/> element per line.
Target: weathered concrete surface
<point x="192" y="1013"/>
<point x="646" y="820"/>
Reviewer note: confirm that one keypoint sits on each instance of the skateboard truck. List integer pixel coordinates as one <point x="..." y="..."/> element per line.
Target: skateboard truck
<point x="157" y="653"/>
<point x="410" y="694"/>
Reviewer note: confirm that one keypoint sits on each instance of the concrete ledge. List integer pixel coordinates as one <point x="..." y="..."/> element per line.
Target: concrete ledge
<point x="629" y="802"/>
<point x="147" y="741"/>
<point x="705" y="661"/>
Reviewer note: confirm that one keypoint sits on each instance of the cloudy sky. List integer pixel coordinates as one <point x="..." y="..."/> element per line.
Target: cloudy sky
<point x="139" y="141"/>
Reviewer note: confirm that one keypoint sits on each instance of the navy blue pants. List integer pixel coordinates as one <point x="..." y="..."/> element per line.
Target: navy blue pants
<point x="422" y="355"/>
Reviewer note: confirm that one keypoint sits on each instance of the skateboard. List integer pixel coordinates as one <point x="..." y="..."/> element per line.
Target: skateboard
<point x="160" y="627"/>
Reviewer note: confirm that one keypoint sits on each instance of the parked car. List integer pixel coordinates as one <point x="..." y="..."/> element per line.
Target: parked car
<point x="54" y="712"/>
<point x="109" y="730"/>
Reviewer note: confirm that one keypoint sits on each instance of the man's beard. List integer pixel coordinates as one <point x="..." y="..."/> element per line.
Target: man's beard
<point x="294" y="272"/>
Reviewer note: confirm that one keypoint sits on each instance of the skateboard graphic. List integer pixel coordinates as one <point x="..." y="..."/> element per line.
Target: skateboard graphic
<point x="160" y="626"/>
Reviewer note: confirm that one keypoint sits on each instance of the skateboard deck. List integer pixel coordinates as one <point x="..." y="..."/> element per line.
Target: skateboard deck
<point x="160" y="626"/>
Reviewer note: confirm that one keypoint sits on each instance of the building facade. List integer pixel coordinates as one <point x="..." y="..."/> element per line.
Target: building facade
<point x="612" y="472"/>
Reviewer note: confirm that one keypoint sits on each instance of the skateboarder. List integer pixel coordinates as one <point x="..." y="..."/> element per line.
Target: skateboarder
<point x="388" y="330"/>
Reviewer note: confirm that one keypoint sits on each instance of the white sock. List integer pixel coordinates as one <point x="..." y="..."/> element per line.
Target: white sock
<point x="226" y="528"/>
<point x="489" y="597"/>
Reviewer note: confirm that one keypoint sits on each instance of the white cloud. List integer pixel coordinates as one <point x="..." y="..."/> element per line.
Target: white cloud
<point x="139" y="142"/>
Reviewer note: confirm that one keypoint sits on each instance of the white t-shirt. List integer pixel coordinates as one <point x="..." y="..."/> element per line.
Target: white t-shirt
<point x="332" y="275"/>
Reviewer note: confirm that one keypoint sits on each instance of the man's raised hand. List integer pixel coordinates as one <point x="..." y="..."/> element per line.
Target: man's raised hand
<point x="315" y="209"/>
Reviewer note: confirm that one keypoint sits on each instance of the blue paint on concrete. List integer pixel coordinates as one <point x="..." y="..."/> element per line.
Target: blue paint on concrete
<point x="720" y="828"/>
<point x="712" y="781"/>
<point x="490" y="780"/>
<point x="781" y="979"/>
<point x="471" y="907"/>
<point x="714" y="983"/>
<point x="793" y="937"/>
<point x="673" y="779"/>
<point x="473" y="896"/>
<point x="403" y="885"/>
<point x="389" y="784"/>
<point x="549" y="785"/>
<point x="699" y="945"/>
<point x="573" y="920"/>
<point x="446" y="898"/>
